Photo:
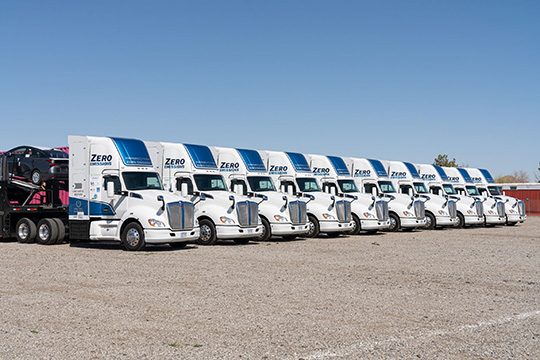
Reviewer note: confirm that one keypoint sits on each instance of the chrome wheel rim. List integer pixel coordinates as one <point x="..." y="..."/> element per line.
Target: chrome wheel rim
<point x="263" y="232"/>
<point x="354" y="226"/>
<point x="36" y="178"/>
<point x="133" y="237"/>
<point x="428" y="221"/>
<point x="311" y="228"/>
<point x="393" y="223"/>
<point x="23" y="231"/>
<point x="206" y="233"/>
<point x="44" y="232"/>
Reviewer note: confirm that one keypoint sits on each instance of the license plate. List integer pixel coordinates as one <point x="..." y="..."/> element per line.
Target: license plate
<point x="250" y="231"/>
<point x="183" y="235"/>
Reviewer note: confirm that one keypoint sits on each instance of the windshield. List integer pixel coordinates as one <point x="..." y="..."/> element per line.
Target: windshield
<point x="494" y="190"/>
<point x="449" y="189"/>
<point x="387" y="187"/>
<point x="261" y="183"/>
<point x="472" y="190"/>
<point x="420" y="188"/>
<point x="307" y="185"/>
<point x="347" y="186"/>
<point x="142" y="181"/>
<point x="210" y="183"/>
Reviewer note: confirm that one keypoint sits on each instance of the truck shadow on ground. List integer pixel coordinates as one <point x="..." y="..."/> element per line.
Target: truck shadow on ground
<point x="115" y="245"/>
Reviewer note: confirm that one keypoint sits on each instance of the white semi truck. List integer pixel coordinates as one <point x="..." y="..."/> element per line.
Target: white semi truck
<point x="292" y="174"/>
<point x="514" y="208"/>
<point x="494" y="212"/>
<point x="115" y="194"/>
<point x="192" y="170"/>
<point x="469" y="210"/>
<point x="405" y="211"/>
<point x="246" y="174"/>
<point x="368" y="213"/>
<point x="440" y="211"/>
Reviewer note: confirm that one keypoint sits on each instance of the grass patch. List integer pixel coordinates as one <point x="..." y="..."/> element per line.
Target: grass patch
<point x="197" y="345"/>
<point x="34" y="331"/>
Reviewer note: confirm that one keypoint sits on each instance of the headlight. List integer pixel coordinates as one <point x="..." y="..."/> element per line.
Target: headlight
<point x="329" y="216"/>
<point x="408" y="213"/>
<point x="226" y="220"/>
<point x="155" y="223"/>
<point x="443" y="213"/>
<point x="369" y="215"/>
<point x="280" y="218"/>
<point x="470" y="212"/>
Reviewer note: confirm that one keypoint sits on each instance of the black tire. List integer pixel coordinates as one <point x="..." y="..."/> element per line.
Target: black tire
<point x="61" y="231"/>
<point x="431" y="222"/>
<point x="395" y="224"/>
<point x="266" y="232"/>
<point x="461" y="221"/>
<point x="357" y="226"/>
<point x="208" y="234"/>
<point x="178" y="245"/>
<point x="314" y="228"/>
<point x="133" y="237"/>
<point x="47" y="232"/>
<point x="25" y="231"/>
<point x="241" y="241"/>
<point x="289" y="237"/>
<point x="36" y="177"/>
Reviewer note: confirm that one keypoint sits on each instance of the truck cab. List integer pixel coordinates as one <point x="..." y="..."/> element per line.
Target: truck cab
<point x="440" y="211"/>
<point x="493" y="210"/>
<point x="405" y="211"/>
<point x="514" y="208"/>
<point x="368" y="213"/>
<point x="469" y="210"/>
<point x="192" y="170"/>
<point x="116" y="194"/>
<point x="246" y="174"/>
<point x="291" y="173"/>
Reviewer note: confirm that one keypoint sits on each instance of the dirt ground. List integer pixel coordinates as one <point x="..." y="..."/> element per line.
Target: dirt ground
<point x="469" y="293"/>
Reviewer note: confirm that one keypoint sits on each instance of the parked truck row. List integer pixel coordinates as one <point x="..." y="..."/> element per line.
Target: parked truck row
<point x="146" y="192"/>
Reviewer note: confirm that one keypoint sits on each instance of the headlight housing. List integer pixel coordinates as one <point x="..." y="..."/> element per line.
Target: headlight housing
<point x="470" y="212"/>
<point x="408" y="213"/>
<point x="155" y="223"/>
<point x="329" y="216"/>
<point x="369" y="215"/>
<point x="226" y="220"/>
<point x="280" y="218"/>
<point x="443" y="213"/>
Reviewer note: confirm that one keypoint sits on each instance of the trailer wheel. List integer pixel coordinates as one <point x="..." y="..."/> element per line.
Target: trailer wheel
<point x="25" y="231"/>
<point x="357" y="226"/>
<point x="36" y="177"/>
<point x="314" y="228"/>
<point x="394" y="223"/>
<point x="208" y="234"/>
<point x="266" y="233"/>
<point x="47" y="232"/>
<point x="461" y="221"/>
<point x="133" y="237"/>
<point x="61" y="230"/>
<point x="178" y="245"/>
<point x="430" y="221"/>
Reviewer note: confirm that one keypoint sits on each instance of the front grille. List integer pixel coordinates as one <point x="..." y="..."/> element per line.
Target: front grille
<point x="479" y="208"/>
<point x="500" y="208"/>
<point x="298" y="212"/>
<point x="419" y="210"/>
<point x="452" y="209"/>
<point x="521" y="208"/>
<point x="181" y="215"/>
<point x="248" y="213"/>
<point x="382" y="210"/>
<point x="343" y="209"/>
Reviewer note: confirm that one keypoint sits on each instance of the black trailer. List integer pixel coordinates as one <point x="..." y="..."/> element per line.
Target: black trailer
<point x="31" y="212"/>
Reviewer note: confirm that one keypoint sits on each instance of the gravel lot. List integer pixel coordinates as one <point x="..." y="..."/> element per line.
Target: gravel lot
<point x="471" y="293"/>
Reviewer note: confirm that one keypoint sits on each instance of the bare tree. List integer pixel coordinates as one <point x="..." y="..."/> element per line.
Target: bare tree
<point x="519" y="176"/>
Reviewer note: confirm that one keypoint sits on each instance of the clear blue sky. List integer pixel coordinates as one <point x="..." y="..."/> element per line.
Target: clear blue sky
<point x="396" y="80"/>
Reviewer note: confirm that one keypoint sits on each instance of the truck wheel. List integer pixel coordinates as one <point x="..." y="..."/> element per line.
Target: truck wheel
<point x="313" y="227"/>
<point x="241" y="241"/>
<point x="133" y="237"/>
<point x="208" y="234"/>
<point x="266" y="231"/>
<point x="430" y="221"/>
<point x="356" y="229"/>
<point x="25" y="231"/>
<point x="178" y="245"/>
<point x="61" y="230"/>
<point x="36" y="177"/>
<point x="461" y="221"/>
<point x="394" y="223"/>
<point x="47" y="232"/>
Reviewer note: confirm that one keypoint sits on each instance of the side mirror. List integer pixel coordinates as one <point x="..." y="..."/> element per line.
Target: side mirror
<point x="110" y="189"/>
<point x="202" y="197"/>
<point x="231" y="197"/>
<point x="184" y="189"/>
<point x="160" y="198"/>
<point x="286" y="199"/>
